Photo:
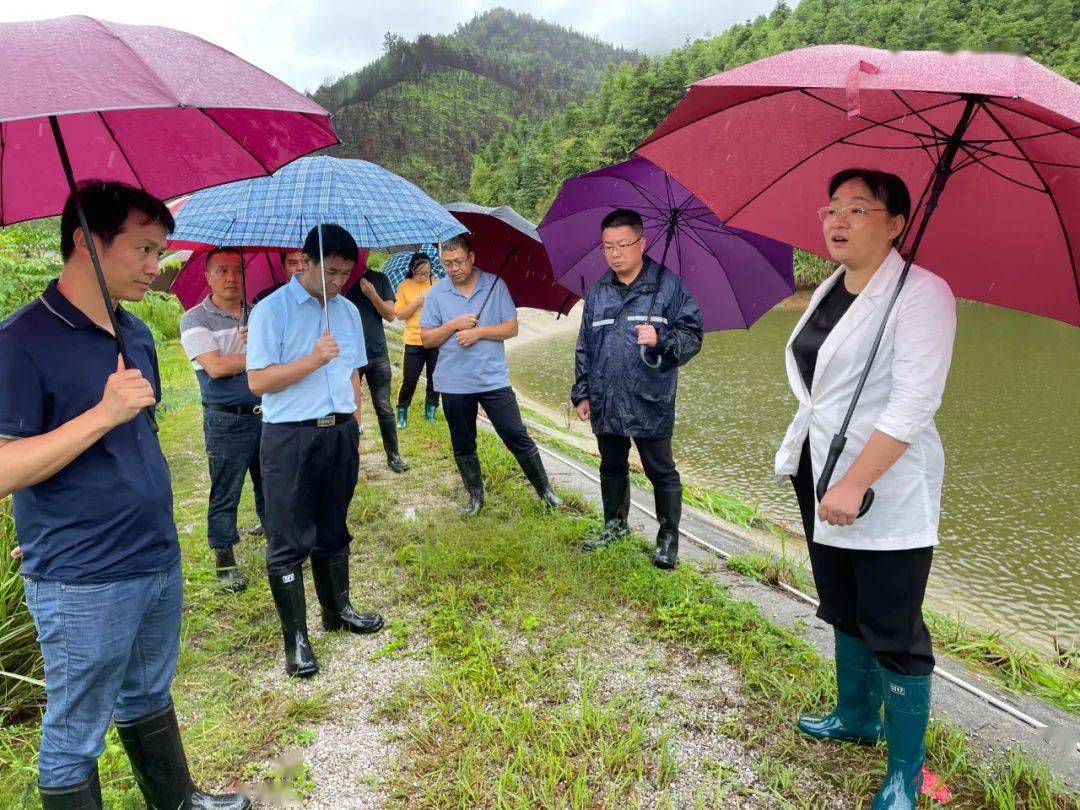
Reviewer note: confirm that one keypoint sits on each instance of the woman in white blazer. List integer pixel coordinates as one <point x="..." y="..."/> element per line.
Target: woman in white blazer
<point x="871" y="571"/>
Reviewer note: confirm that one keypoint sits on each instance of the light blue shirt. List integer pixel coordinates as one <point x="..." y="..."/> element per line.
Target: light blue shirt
<point x="482" y="366"/>
<point x="284" y="327"/>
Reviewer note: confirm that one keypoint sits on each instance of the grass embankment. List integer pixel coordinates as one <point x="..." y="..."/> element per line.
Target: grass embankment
<point x="545" y="676"/>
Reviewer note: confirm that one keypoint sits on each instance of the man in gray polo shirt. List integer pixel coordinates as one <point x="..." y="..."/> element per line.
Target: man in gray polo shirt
<point x="214" y="337"/>
<point x="467" y="316"/>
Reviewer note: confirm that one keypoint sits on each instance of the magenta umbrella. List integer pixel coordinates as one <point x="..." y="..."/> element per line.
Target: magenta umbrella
<point x="989" y="144"/>
<point x="152" y="107"/>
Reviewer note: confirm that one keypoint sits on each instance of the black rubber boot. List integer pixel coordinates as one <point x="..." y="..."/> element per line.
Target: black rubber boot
<point x="288" y="592"/>
<point x="84" y="795"/>
<point x="668" y="513"/>
<point x="160" y="766"/>
<point x="331" y="577"/>
<point x="615" y="496"/>
<point x="473" y="478"/>
<point x="390" y="444"/>
<point x="228" y="572"/>
<point x="533" y="467"/>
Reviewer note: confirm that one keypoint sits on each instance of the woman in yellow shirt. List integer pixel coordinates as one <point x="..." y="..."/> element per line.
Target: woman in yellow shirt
<point x="411" y="294"/>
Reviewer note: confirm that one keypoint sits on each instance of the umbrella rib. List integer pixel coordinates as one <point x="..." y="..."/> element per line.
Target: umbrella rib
<point x="696" y="238"/>
<point x="973" y="159"/>
<point x="123" y="152"/>
<point x="811" y="156"/>
<point x="235" y="140"/>
<point x="1053" y="202"/>
<point x="1073" y="131"/>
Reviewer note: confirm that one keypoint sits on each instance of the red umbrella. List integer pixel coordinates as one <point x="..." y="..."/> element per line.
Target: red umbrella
<point x="758" y="144"/>
<point x="509" y="246"/>
<point x="152" y="107"/>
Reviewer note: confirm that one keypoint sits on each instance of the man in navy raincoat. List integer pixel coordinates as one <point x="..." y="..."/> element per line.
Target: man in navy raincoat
<point x="628" y="392"/>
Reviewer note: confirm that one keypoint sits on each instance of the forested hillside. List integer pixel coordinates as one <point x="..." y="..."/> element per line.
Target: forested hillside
<point x="525" y="165"/>
<point x="424" y="107"/>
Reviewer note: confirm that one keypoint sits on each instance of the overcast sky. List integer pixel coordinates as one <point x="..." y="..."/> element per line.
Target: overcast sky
<point x="305" y="41"/>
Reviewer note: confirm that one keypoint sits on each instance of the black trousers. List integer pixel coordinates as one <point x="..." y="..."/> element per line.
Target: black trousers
<point x="418" y="359"/>
<point x="655" y="458"/>
<point x="873" y="595"/>
<point x="378" y="375"/>
<point x="309" y="476"/>
<point x="501" y="408"/>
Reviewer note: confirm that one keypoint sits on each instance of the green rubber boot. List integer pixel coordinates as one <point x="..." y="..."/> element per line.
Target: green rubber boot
<point x="402" y="417"/>
<point x="429" y="412"/>
<point x="857" y="716"/>
<point x="907" y="711"/>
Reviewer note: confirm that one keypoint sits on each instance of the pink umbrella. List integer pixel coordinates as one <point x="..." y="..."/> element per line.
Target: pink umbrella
<point x="262" y="270"/>
<point x="152" y="107"/>
<point x="758" y="143"/>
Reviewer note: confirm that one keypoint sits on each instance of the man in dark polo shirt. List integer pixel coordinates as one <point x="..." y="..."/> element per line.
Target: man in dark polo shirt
<point x="310" y="391"/>
<point x="214" y="340"/>
<point x="93" y="509"/>
<point x="373" y="296"/>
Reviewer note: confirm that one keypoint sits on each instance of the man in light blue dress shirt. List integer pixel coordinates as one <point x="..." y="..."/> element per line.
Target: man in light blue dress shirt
<point x="306" y="375"/>
<point x="467" y="316"/>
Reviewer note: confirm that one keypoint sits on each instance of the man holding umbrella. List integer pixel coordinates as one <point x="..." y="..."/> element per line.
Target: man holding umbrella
<point x="467" y="317"/>
<point x="214" y="334"/>
<point x="640" y="324"/>
<point x="304" y="348"/>
<point x="94" y="508"/>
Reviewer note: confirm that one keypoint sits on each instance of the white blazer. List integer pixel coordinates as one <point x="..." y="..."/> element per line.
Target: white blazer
<point x="900" y="398"/>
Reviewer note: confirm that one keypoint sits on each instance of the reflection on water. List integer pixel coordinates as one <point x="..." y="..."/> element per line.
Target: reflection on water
<point x="1011" y="427"/>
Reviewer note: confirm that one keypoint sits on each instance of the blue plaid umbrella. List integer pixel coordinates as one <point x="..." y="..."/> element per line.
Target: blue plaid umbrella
<point x="376" y="206"/>
<point x="398" y="264"/>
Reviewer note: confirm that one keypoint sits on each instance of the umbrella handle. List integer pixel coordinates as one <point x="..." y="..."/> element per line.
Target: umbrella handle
<point x="645" y="358"/>
<point x="835" y="449"/>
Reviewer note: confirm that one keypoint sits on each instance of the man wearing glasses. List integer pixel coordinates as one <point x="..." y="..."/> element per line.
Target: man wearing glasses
<point x="639" y="325"/>
<point x="467" y="316"/>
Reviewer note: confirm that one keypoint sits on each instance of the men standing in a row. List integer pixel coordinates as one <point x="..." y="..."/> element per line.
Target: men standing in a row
<point x="373" y="296"/>
<point x="94" y="508"/>
<point x="303" y="356"/>
<point x="627" y="371"/>
<point x="467" y="316"/>
<point x="213" y="336"/>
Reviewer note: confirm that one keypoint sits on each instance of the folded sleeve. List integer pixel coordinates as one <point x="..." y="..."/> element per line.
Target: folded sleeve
<point x="922" y="353"/>
<point x="504" y="303"/>
<point x="431" y="313"/>
<point x="196" y="336"/>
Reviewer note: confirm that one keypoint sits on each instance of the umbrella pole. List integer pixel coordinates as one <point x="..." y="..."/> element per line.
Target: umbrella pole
<point x="652" y="303"/>
<point x="938" y="181"/>
<point x="99" y="274"/>
<point x="322" y="276"/>
<point x="243" y="290"/>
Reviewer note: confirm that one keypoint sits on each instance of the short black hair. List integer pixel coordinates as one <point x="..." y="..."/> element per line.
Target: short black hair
<point x="107" y="204"/>
<point x="219" y="250"/>
<point x="336" y="242"/>
<point x="415" y="261"/>
<point x="885" y="186"/>
<point x="459" y="242"/>
<point x="623" y="217"/>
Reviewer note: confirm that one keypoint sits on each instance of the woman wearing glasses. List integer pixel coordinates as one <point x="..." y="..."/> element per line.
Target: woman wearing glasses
<point x="411" y="294"/>
<point x="871" y="571"/>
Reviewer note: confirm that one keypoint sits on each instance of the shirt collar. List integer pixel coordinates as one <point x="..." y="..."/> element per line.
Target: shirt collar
<point x="299" y="294"/>
<point x="58" y="304"/>
<point x="483" y="281"/>
<point x="210" y="306"/>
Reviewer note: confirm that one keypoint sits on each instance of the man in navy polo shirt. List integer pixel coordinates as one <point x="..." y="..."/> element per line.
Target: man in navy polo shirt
<point x="93" y="509"/>
<point x="467" y="316"/>
<point x="310" y="453"/>
<point x="214" y="340"/>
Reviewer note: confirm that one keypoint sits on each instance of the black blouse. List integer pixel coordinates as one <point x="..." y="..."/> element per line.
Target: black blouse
<point x="807" y="343"/>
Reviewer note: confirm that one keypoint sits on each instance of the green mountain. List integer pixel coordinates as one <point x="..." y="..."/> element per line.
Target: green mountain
<point x="524" y="166"/>
<point x="423" y="108"/>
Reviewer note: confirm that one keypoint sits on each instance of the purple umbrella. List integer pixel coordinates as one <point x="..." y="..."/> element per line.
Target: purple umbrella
<point x="736" y="276"/>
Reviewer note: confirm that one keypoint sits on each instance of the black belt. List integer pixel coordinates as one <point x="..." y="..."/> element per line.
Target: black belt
<point x="323" y="421"/>
<point x="235" y="410"/>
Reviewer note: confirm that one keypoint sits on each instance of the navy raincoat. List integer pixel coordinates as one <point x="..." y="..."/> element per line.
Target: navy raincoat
<point x="626" y="397"/>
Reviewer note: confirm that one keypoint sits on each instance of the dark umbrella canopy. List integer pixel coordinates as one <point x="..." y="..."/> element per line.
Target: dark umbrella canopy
<point x="735" y="275"/>
<point x="507" y="244"/>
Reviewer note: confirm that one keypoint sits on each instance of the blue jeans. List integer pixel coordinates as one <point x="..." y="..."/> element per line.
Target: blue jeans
<point x="232" y="448"/>
<point x="110" y="650"/>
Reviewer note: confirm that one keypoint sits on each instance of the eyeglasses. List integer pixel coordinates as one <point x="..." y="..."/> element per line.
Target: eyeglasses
<point x="608" y="247"/>
<point x="453" y="264"/>
<point x="849" y="213"/>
